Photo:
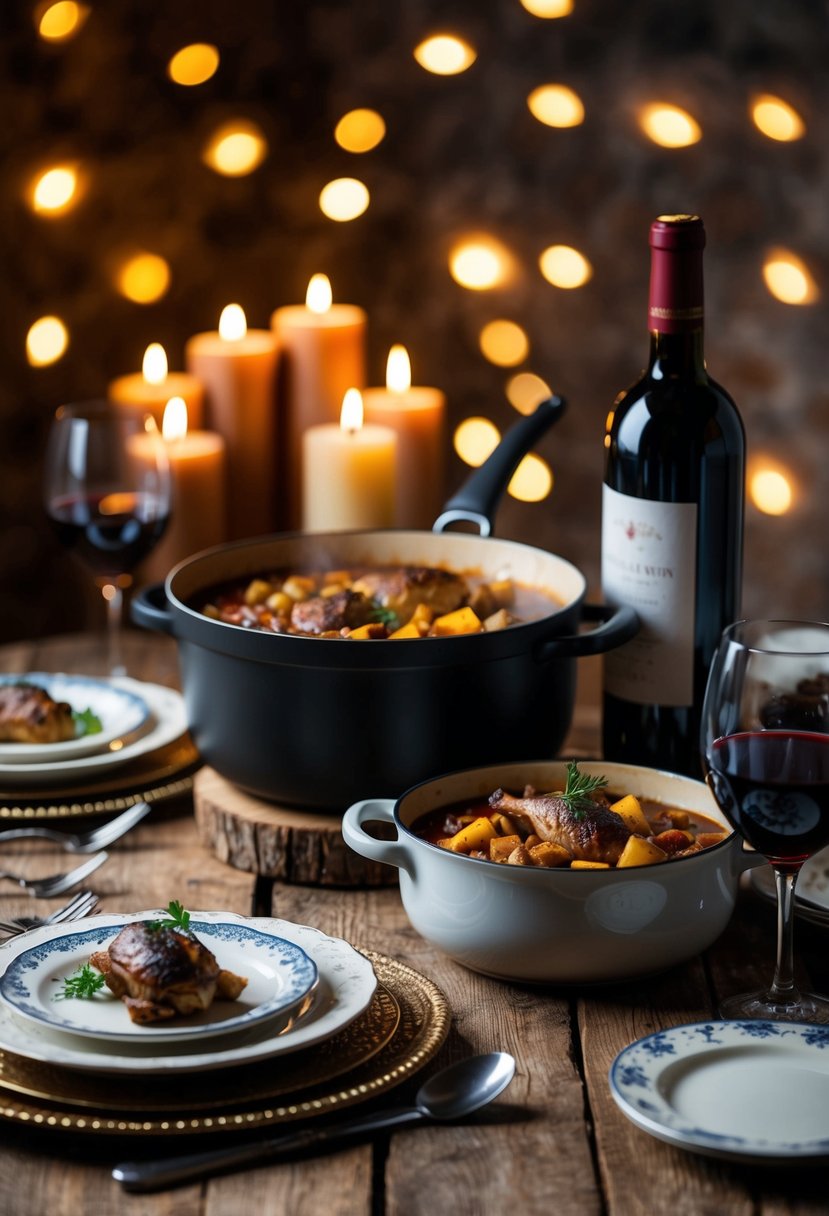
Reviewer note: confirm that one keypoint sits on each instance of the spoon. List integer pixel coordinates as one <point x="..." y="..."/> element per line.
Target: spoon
<point x="452" y="1093"/>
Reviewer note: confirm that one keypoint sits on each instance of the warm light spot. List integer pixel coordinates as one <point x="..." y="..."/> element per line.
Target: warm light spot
<point x="526" y="390"/>
<point x="445" y="55"/>
<point x="233" y="324"/>
<point x="360" y="130"/>
<point x="788" y="278"/>
<point x="344" y="199"/>
<point x="669" y="126"/>
<point x="476" y="439"/>
<point x="398" y="370"/>
<point x="532" y="480"/>
<point x="193" y="64"/>
<point x="318" y="297"/>
<point x="62" y="20"/>
<point x="236" y="148"/>
<point x="54" y="190"/>
<point x="154" y="364"/>
<point x="771" y="492"/>
<point x="174" y="422"/>
<point x="480" y="263"/>
<point x="46" y="341"/>
<point x="556" y="106"/>
<point x="351" y="414"/>
<point x="565" y="267"/>
<point x="504" y="343"/>
<point x="548" y="8"/>
<point x="144" y="278"/>
<point x="776" y="118"/>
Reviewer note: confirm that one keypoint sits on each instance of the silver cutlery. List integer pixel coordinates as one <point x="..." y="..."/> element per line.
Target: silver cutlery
<point x="83" y="842"/>
<point x="56" y="884"/>
<point x="78" y="907"/>
<point x="452" y="1093"/>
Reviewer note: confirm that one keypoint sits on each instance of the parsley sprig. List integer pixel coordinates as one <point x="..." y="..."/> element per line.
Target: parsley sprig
<point x="177" y="918"/>
<point x="86" y="722"/>
<point x="83" y="984"/>
<point x="385" y="616"/>
<point x="578" y="789"/>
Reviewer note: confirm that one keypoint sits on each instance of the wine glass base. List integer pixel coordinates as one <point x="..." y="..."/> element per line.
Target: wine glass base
<point x="800" y="1007"/>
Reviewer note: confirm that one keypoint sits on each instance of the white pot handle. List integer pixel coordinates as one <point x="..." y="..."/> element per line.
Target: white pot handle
<point x="390" y="852"/>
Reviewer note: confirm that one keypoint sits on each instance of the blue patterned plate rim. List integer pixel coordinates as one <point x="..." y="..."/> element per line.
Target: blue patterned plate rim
<point x="749" y="1091"/>
<point x="122" y="713"/>
<point x="281" y="976"/>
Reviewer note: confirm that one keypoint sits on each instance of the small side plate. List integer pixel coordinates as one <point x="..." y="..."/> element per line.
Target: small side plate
<point x="122" y="714"/>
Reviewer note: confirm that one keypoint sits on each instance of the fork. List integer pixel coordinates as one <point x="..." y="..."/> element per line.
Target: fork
<point x="78" y="907"/>
<point x="56" y="884"/>
<point x="83" y="842"/>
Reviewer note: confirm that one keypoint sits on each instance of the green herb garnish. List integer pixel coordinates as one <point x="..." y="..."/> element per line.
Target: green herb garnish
<point x="578" y="789"/>
<point x="86" y="722"/>
<point x="83" y="984"/>
<point x="385" y="616"/>
<point x="178" y="918"/>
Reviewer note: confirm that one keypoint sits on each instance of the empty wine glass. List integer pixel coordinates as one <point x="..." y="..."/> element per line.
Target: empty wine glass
<point x="107" y="491"/>
<point x="765" y="745"/>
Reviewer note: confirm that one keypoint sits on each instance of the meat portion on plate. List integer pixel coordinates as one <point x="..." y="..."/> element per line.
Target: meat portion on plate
<point x="29" y="715"/>
<point x="160" y="972"/>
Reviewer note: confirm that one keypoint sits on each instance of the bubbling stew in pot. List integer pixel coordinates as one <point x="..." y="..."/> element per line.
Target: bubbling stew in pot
<point x="373" y="603"/>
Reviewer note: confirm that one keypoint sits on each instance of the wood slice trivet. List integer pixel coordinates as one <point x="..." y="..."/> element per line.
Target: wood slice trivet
<point x="279" y="842"/>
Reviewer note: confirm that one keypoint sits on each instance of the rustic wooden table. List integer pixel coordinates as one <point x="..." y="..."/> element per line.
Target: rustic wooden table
<point x="554" y="1142"/>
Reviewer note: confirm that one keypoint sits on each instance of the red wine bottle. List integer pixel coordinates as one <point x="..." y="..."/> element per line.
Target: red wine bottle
<point x="672" y="519"/>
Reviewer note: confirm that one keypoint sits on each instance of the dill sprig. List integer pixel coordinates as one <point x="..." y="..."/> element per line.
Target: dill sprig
<point x="83" y="984"/>
<point x="177" y="918"/>
<point x="578" y="789"/>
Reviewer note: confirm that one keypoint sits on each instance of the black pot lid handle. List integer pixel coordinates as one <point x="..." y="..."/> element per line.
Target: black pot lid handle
<point x="478" y="497"/>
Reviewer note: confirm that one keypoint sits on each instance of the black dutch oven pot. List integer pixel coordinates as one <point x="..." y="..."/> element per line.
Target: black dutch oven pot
<point x="319" y="723"/>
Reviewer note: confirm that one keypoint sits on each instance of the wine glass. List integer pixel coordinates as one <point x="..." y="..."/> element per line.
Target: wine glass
<point x="765" y="747"/>
<point x="108" y="492"/>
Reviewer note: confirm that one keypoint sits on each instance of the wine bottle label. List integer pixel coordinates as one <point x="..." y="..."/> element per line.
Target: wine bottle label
<point x="649" y="562"/>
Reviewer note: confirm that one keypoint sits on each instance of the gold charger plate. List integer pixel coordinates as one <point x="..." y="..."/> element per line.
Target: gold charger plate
<point x="403" y="1029"/>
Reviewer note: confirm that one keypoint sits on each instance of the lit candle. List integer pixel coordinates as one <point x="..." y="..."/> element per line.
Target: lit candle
<point x="197" y="469"/>
<point x="418" y="417"/>
<point x="348" y="472"/>
<point x="150" y="389"/>
<point x="238" y="368"/>
<point x="323" y="355"/>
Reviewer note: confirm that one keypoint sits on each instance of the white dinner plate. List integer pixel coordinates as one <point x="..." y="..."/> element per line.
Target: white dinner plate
<point x="754" y="1092"/>
<point x="169" y="722"/>
<point x="121" y="712"/>
<point x="345" y="989"/>
<point x="811" y="895"/>
<point x="280" y="976"/>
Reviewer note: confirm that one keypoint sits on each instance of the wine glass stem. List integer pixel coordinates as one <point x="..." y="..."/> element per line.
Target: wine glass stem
<point x="114" y="600"/>
<point x="782" y="987"/>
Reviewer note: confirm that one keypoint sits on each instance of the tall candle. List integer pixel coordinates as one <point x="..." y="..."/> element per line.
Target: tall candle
<point x="238" y="368"/>
<point x="150" y="389"/>
<point x="197" y="468"/>
<point x="323" y="355"/>
<point x="418" y="417"/>
<point x="348" y="472"/>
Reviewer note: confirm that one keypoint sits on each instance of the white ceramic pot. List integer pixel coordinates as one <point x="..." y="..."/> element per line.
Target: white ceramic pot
<point x="551" y="925"/>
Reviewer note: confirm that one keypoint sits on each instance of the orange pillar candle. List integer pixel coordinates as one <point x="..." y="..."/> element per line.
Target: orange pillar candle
<point x="323" y="355"/>
<point x="348" y="472"/>
<point x="238" y="368"/>
<point x="152" y="388"/>
<point x="418" y="417"/>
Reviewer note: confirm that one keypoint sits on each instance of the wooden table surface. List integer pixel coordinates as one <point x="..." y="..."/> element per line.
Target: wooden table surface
<point x="553" y="1143"/>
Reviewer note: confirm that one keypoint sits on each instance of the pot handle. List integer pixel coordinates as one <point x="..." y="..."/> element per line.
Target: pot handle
<point x="149" y="609"/>
<point x="478" y="497"/>
<point x="618" y="624"/>
<point x="390" y="852"/>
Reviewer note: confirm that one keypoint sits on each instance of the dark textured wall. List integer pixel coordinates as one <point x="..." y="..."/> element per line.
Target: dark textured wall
<point x="461" y="154"/>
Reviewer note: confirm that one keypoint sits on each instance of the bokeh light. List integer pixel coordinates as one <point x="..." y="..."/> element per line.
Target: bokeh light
<point x="143" y="278"/>
<point x="504" y="343"/>
<point x="788" y="278"/>
<point x="556" y="105"/>
<point x="236" y="148"/>
<point x="532" y="480"/>
<point x="193" y="64"/>
<point x="476" y="439"/>
<point x="669" y="126"/>
<point x="360" y="130"/>
<point x="54" y="190"/>
<point x="771" y="492"/>
<point x="46" y="341"/>
<point x="445" y="55"/>
<point x="344" y="199"/>
<point x="776" y="118"/>
<point x="548" y="8"/>
<point x="564" y="266"/>
<point x="57" y="22"/>
<point x="527" y="390"/>
<point x="480" y="263"/>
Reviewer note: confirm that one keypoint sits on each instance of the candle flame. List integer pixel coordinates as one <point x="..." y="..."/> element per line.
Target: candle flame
<point x="351" y="414"/>
<point x="174" y="423"/>
<point x="154" y="367"/>
<point x="318" y="296"/>
<point x="398" y="370"/>
<point x="233" y="323"/>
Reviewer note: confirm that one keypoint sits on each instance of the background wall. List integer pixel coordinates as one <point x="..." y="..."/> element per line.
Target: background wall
<point x="461" y="154"/>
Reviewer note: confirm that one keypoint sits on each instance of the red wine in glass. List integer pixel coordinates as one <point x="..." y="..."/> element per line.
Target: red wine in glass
<point x="110" y="533"/>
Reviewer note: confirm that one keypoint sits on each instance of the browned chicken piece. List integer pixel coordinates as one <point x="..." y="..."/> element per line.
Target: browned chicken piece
<point x="161" y="972"/>
<point x="29" y="715"/>
<point x="402" y="589"/>
<point x="330" y="613"/>
<point x="589" y="833"/>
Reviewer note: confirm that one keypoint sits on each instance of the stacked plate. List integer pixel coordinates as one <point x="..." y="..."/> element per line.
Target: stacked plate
<point x="811" y="895"/>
